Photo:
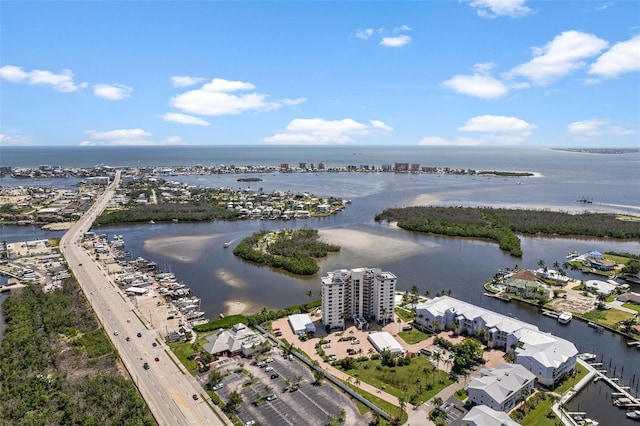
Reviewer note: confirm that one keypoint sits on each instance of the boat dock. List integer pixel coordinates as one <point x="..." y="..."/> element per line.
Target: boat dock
<point x="621" y="396"/>
<point x="551" y="314"/>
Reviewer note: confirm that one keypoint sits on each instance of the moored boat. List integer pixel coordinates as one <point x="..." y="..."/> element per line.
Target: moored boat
<point x="565" y="317"/>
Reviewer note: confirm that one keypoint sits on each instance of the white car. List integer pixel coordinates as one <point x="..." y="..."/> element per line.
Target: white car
<point x="271" y="397"/>
<point x="268" y="369"/>
<point x="250" y="423"/>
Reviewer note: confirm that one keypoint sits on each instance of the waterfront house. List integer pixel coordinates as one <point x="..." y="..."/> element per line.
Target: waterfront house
<point x="237" y="340"/>
<point x="527" y="289"/>
<point x="501" y="388"/>
<point x="545" y="355"/>
<point x="599" y="287"/>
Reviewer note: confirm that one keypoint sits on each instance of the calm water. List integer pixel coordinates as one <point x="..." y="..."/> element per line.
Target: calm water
<point x="194" y="251"/>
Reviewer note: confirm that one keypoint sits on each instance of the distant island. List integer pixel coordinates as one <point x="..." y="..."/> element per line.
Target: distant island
<point x="600" y="150"/>
<point x="292" y="251"/>
<point x="501" y="225"/>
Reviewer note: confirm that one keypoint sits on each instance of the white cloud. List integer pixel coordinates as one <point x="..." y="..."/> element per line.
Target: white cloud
<point x="478" y="85"/>
<point x="218" y="97"/>
<point x="596" y="127"/>
<point x="561" y="56"/>
<point x="184" y="119"/>
<point x="496" y="124"/>
<point x="388" y="37"/>
<point x="494" y="8"/>
<point x="13" y="139"/>
<point x="436" y="140"/>
<point x="622" y="58"/>
<point x="113" y="92"/>
<point x="493" y="129"/>
<point x="317" y="131"/>
<point x="62" y="82"/>
<point x="365" y="34"/>
<point x="185" y="80"/>
<point x="126" y="137"/>
<point x="395" y="41"/>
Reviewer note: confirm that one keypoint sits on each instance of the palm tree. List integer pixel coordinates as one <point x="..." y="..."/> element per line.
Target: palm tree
<point x="384" y="316"/>
<point x="437" y="402"/>
<point x="343" y="316"/>
<point x="556" y="265"/>
<point x="298" y="379"/>
<point x="427" y="294"/>
<point x="541" y="263"/>
<point x="318" y="376"/>
<point x="414" y="293"/>
<point x="436" y="326"/>
<point x="403" y="404"/>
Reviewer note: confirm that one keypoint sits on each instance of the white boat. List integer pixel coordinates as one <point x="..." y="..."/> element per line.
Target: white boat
<point x="633" y="415"/>
<point x="587" y="356"/>
<point x="227" y="244"/>
<point x="565" y="317"/>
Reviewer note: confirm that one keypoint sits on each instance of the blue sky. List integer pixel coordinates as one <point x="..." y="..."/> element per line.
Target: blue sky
<point x="478" y="72"/>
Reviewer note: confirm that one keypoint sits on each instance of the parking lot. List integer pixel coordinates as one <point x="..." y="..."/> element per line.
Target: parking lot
<point x="304" y="404"/>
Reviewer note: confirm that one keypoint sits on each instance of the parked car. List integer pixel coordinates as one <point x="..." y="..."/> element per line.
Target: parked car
<point x="139" y="334"/>
<point x="218" y="386"/>
<point x="268" y="369"/>
<point x="355" y="342"/>
<point x="128" y="338"/>
<point x="271" y="397"/>
<point x="145" y="365"/>
<point x="115" y="333"/>
<point x="195" y="397"/>
<point x="275" y="375"/>
<point x="268" y="360"/>
<point x="154" y="344"/>
<point x="425" y="351"/>
<point x="157" y="359"/>
<point x="250" y="423"/>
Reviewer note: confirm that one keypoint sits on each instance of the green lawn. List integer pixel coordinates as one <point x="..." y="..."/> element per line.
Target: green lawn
<point x="609" y="317"/>
<point x="405" y="315"/>
<point x="407" y="380"/>
<point x="632" y="306"/>
<point x="183" y="350"/>
<point x="413" y="336"/>
<point x="541" y="415"/>
<point x="568" y="384"/>
<point x="391" y="409"/>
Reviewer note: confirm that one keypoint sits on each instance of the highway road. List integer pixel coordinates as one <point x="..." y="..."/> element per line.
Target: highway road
<point x="166" y="386"/>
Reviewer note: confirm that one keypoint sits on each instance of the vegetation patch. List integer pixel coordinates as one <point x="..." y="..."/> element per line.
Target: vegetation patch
<point x="501" y="225"/>
<point x="414" y="382"/>
<point x="611" y="317"/>
<point x="58" y="367"/>
<point x="294" y="251"/>
<point x="166" y="213"/>
<point x="413" y="336"/>
<point x="406" y="315"/>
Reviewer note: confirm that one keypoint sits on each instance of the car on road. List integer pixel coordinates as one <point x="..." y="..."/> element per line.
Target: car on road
<point x="128" y="338"/>
<point x="272" y="397"/>
<point x="145" y="365"/>
<point x="275" y="375"/>
<point x="250" y="423"/>
<point x="115" y="333"/>
<point x="79" y="264"/>
<point x="154" y="344"/>
<point x="157" y="359"/>
<point x="195" y="397"/>
<point x="139" y="334"/>
<point x="268" y="369"/>
<point x="218" y="386"/>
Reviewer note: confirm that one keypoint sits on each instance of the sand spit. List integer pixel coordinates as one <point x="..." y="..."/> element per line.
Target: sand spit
<point x="368" y="244"/>
<point x="235" y="308"/>
<point x="230" y="279"/>
<point x="182" y="248"/>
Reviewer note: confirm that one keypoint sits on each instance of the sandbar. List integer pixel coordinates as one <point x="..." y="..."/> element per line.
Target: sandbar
<point x="368" y="244"/>
<point x="230" y="279"/>
<point x="235" y="307"/>
<point x="185" y="248"/>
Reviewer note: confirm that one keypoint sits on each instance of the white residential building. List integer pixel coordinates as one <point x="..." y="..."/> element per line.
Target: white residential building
<point x="481" y="415"/>
<point x="545" y="355"/>
<point x="360" y="294"/>
<point x="501" y="387"/>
